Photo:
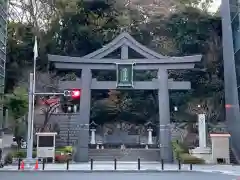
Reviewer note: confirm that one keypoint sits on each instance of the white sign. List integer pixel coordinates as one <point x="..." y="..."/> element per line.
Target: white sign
<point x="46" y="145"/>
<point x="45" y="152"/>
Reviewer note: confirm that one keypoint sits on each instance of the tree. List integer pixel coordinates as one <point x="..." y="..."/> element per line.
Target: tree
<point x="49" y="104"/>
<point x="17" y="105"/>
<point x="199" y="33"/>
<point x="19" y="53"/>
<point x="76" y="28"/>
<point x="17" y="102"/>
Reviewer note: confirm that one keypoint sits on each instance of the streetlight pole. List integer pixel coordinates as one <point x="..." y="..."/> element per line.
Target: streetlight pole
<point x="31" y="99"/>
<point x="32" y="88"/>
<point x="30" y="122"/>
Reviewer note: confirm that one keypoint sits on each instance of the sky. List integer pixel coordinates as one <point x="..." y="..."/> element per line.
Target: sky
<point x="215" y="5"/>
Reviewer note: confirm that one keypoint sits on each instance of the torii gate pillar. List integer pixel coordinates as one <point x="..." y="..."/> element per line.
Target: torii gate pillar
<point x="81" y="148"/>
<point x="164" y="117"/>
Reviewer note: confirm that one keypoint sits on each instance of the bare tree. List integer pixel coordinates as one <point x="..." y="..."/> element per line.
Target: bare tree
<point x="39" y="12"/>
<point x="48" y="108"/>
<point x="48" y="82"/>
<point x="36" y="12"/>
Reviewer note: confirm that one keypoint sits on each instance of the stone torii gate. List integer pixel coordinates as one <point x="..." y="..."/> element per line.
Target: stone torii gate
<point x="125" y="69"/>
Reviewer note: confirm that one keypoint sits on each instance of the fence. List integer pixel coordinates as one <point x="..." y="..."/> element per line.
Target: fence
<point x="90" y="166"/>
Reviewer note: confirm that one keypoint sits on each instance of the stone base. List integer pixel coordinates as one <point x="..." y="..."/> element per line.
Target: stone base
<point x="80" y="154"/>
<point x="200" y="150"/>
<point x="203" y="153"/>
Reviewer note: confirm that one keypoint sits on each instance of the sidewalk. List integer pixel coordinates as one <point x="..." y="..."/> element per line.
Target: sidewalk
<point x="132" y="166"/>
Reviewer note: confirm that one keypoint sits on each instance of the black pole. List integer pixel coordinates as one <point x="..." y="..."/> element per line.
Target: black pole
<point x="191" y="166"/>
<point x="68" y="133"/>
<point x="91" y="164"/>
<point x="115" y="164"/>
<point x="138" y="163"/>
<point x="67" y="164"/>
<point x="179" y="165"/>
<point x="162" y="164"/>
<point x="19" y="163"/>
<point x="43" y="165"/>
<point x="68" y="137"/>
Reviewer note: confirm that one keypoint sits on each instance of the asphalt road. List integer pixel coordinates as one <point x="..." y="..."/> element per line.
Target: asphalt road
<point x="114" y="176"/>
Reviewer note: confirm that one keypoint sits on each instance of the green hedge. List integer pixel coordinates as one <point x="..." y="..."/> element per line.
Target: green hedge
<point x="178" y="149"/>
<point x="189" y="159"/>
<point x="23" y="154"/>
<point x="180" y="152"/>
<point x="65" y="149"/>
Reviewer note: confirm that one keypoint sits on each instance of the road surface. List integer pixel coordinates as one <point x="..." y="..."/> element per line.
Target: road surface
<point x="115" y="176"/>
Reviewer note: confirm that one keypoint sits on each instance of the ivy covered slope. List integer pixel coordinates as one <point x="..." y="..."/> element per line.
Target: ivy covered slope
<point x="75" y="28"/>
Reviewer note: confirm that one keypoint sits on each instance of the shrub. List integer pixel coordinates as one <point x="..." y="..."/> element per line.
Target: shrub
<point x="34" y="154"/>
<point x="8" y="159"/>
<point x="19" y="154"/>
<point x="189" y="159"/>
<point x="177" y="149"/>
<point x="23" y="154"/>
<point x="67" y="149"/>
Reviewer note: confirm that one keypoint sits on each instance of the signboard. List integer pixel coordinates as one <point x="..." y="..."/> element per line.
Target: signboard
<point x="46" y="145"/>
<point x="124" y="75"/>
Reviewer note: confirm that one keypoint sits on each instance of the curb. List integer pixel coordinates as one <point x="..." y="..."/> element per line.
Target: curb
<point x="106" y="171"/>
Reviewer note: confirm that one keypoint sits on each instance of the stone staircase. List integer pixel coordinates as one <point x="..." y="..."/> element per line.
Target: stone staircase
<point x="233" y="159"/>
<point x="124" y="154"/>
<point x="66" y="123"/>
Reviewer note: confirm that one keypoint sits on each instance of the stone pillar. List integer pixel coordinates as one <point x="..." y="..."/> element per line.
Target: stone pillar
<point x="164" y="117"/>
<point x="81" y="154"/>
<point x="150" y="140"/>
<point x="93" y="136"/>
<point x="202" y="151"/>
<point x="202" y="131"/>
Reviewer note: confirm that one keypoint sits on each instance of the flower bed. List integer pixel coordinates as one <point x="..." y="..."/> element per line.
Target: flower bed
<point x="62" y="158"/>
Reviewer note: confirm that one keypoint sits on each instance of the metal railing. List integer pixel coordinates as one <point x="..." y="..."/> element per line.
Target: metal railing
<point x="67" y="166"/>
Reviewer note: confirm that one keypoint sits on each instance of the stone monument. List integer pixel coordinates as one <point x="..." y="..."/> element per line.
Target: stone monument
<point x="202" y="151"/>
<point x="150" y="138"/>
<point x="93" y="136"/>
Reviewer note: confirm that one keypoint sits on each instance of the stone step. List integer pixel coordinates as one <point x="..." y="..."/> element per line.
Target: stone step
<point x="64" y="125"/>
<point x="124" y="155"/>
<point x="73" y="125"/>
<point x="233" y="159"/>
<point x="65" y="135"/>
<point x="106" y="154"/>
<point x="62" y="132"/>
